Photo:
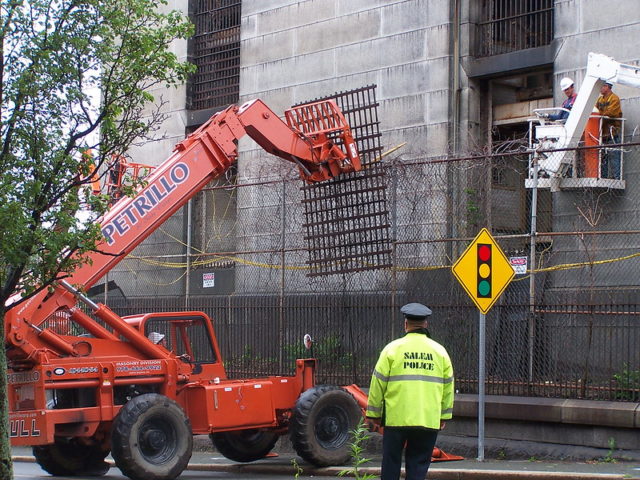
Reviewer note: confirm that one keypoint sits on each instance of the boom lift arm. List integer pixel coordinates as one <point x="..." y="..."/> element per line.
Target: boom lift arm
<point x="306" y="140"/>
<point x="600" y="69"/>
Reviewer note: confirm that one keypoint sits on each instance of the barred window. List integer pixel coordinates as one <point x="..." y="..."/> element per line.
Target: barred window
<point x="215" y="51"/>
<point x="510" y="25"/>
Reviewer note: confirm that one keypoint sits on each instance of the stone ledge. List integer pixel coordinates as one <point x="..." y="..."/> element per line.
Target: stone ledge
<point x="554" y="410"/>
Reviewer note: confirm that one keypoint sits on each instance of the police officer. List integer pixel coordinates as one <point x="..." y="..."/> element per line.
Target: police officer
<point x="411" y="394"/>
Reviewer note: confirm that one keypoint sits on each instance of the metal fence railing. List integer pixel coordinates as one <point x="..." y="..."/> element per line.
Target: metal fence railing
<point x="566" y="328"/>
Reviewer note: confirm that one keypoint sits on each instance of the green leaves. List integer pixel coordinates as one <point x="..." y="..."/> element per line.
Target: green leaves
<point x="358" y="461"/>
<point x="76" y="75"/>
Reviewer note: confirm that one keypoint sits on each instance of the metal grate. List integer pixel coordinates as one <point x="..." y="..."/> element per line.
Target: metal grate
<point x="580" y="340"/>
<point x="216" y="53"/>
<point x="346" y="219"/>
<point x="511" y="25"/>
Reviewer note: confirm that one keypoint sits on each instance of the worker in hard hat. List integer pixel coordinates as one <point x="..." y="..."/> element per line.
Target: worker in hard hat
<point x="567" y="86"/>
<point x="608" y="105"/>
<point x="157" y="338"/>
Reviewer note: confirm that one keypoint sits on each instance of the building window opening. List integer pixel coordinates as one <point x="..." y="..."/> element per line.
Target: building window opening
<point x="215" y="50"/>
<point x="511" y="25"/>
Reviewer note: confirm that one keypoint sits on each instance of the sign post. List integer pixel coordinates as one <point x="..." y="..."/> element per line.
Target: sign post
<point x="484" y="272"/>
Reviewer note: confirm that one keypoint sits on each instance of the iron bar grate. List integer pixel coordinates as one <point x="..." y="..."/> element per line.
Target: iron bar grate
<point x="347" y="219"/>
<point x="216" y="53"/>
<point x="512" y="25"/>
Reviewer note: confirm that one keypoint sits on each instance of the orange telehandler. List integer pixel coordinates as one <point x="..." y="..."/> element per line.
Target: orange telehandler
<point x="81" y="388"/>
<point x="81" y="385"/>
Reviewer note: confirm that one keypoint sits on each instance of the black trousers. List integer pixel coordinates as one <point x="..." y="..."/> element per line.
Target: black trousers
<point x="418" y="450"/>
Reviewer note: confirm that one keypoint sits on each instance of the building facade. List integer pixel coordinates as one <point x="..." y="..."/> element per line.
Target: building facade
<point x="453" y="79"/>
<point x="451" y="87"/>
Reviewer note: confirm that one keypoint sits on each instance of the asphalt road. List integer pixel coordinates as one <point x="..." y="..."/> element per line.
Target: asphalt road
<point x="31" y="471"/>
<point x="210" y="465"/>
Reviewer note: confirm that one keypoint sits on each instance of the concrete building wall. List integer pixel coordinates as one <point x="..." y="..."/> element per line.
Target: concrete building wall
<point x="296" y="50"/>
<point x="171" y="103"/>
<point x="299" y="50"/>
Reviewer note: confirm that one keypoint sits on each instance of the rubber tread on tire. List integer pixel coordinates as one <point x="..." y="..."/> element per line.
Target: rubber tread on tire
<point x="151" y="438"/>
<point x="69" y="458"/>
<point x="322" y="424"/>
<point x="244" y="445"/>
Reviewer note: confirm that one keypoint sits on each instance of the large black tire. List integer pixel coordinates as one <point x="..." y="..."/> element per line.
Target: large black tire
<point x="151" y="438"/>
<point x="244" y="445"/>
<point x="71" y="458"/>
<point x="322" y="425"/>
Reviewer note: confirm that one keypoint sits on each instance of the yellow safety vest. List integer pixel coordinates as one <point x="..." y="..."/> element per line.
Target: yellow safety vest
<point x="412" y="383"/>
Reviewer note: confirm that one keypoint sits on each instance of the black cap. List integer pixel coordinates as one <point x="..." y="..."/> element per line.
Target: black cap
<point x="415" y="311"/>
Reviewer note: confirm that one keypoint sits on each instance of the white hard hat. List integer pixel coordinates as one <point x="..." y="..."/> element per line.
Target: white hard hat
<point x="565" y="83"/>
<point x="156" y="337"/>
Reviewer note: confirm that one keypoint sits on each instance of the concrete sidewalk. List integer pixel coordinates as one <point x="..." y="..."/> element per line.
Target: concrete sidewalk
<point x="458" y="470"/>
<point x="469" y="469"/>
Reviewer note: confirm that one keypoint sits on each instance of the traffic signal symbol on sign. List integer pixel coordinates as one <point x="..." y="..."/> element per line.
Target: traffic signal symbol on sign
<point x="483" y="270"/>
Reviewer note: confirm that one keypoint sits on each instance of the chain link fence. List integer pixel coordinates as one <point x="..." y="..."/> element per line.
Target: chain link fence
<point x="567" y="327"/>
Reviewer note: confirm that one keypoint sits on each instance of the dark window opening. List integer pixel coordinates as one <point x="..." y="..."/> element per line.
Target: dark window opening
<point x="215" y="50"/>
<point x="511" y="25"/>
<point x="511" y="201"/>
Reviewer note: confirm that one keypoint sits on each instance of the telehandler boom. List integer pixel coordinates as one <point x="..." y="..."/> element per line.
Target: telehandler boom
<point x="82" y="384"/>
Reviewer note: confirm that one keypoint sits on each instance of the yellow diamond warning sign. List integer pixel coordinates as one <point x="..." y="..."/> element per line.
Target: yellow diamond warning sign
<point x="483" y="270"/>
